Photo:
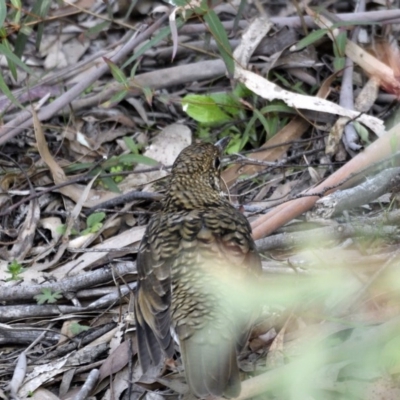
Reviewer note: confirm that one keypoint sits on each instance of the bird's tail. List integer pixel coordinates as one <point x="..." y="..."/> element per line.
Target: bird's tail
<point x="210" y="363"/>
<point x="149" y="349"/>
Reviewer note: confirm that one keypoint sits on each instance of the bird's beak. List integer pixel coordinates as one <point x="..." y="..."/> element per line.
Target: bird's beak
<point x="222" y="143"/>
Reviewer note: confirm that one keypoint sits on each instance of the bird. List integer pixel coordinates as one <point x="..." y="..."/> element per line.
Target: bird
<point x="197" y="266"/>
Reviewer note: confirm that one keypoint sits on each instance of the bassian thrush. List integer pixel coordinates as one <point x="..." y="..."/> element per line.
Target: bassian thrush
<point x="196" y="264"/>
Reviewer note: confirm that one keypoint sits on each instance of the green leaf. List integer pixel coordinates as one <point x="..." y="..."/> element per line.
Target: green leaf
<point x="18" y="13"/>
<point x="115" y="99"/>
<point x="9" y="54"/>
<point x="61" y="229"/>
<point x="134" y="69"/>
<point x="228" y="102"/>
<point x="161" y="35"/>
<point x="11" y="65"/>
<point x="241" y="90"/>
<point x="246" y="133"/>
<point x="339" y="45"/>
<point x="220" y="36"/>
<point x="362" y="132"/>
<point x="131" y="144"/>
<point x="94" y="30"/>
<point x="148" y="94"/>
<point x="3" y="12"/>
<point x="81" y="166"/>
<point x="203" y="109"/>
<point x="277" y="108"/>
<point x="264" y="122"/>
<point x="77" y="328"/>
<point x="4" y="89"/>
<point x="95" y="218"/>
<point x="110" y="184"/>
<point x="235" y="144"/>
<point x="15" y="269"/>
<point x="26" y="30"/>
<point x="43" y="8"/>
<point x="311" y="38"/>
<point x="117" y="73"/>
<point x="339" y="63"/>
<point x="47" y="296"/>
<point x="137" y="159"/>
<point x="239" y="15"/>
<point x="39" y="9"/>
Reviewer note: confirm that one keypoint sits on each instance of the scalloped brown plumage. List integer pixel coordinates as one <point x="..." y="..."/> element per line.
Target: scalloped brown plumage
<point x="196" y="264"/>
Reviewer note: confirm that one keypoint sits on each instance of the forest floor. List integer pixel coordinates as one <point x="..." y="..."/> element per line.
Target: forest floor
<point x="96" y="101"/>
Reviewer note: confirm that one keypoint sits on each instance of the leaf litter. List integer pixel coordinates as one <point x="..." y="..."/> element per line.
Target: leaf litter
<point x="330" y="326"/>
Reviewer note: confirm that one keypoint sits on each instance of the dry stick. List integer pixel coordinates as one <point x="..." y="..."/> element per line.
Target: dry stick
<point x="346" y="91"/>
<point x="199" y="71"/>
<point x="24" y="119"/>
<point x="88" y="386"/>
<point x="79" y="179"/>
<point x="45" y="85"/>
<point x="74" y="283"/>
<point x="382" y="17"/>
<point x="284" y="213"/>
<point x="178" y="75"/>
<point x="363" y="193"/>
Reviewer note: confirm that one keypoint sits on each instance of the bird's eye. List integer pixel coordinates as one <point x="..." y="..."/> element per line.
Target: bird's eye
<point x="217" y="163"/>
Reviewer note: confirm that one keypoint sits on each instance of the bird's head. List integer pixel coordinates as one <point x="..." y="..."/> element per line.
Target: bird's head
<point x="195" y="175"/>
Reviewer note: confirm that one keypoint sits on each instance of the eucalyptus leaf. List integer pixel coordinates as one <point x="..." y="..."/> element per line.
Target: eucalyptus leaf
<point x="3" y="12"/>
<point x="204" y="109"/>
<point x="221" y="37"/>
<point x="311" y="39"/>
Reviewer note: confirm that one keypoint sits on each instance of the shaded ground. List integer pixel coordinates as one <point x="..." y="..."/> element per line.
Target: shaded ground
<point x="116" y="97"/>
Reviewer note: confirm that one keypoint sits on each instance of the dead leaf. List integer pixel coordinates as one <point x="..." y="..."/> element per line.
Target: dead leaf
<point x="165" y="148"/>
<point x="26" y="233"/>
<point x="73" y="191"/>
<point x="117" y="360"/>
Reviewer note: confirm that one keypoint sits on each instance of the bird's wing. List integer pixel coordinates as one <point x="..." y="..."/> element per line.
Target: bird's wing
<point x="153" y="299"/>
<point x="237" y="244"/>
<point x="226" y="255"/>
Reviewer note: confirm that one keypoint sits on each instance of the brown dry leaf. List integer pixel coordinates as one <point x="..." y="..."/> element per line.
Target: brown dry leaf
<point x="42" y="374"/>
<point x="120" y="382"/>
<point x="117" y="360"/>
<point x="292" y="131"/>
<point x="164" y="148"/>
<point x="138" y="106"/>
<point x="73" y="217"/>
<point x="73" y="191"/>
<point x="130" y="237"/>
<point x="335" y="136"/>
<point x="270" y="91"/>
<point x="82" y="145"/>
<point x="280" y="193"/>
<point x="52" y="224"/>
<point x="375" y="68"/>
<point x="175" y="383"/>
<point x="26" y="233"/>
<point x="367" y="96"/>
